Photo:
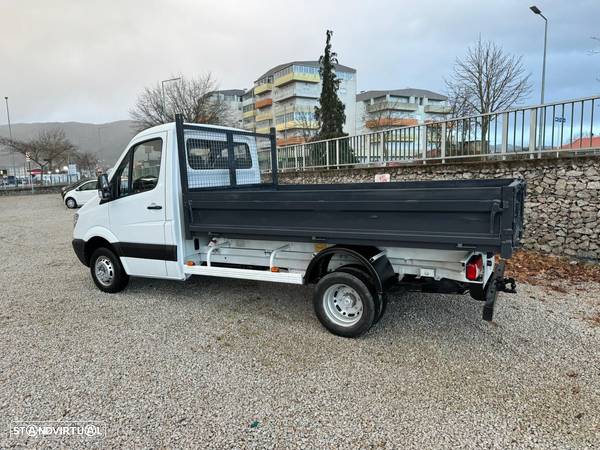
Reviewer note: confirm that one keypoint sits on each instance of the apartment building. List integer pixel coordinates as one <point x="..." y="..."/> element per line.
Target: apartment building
<point x="233" y="99"/>
<point x="380" y="110"/>
<point x="285" y="98"/>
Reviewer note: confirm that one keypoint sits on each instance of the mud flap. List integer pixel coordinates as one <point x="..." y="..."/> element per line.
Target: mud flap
<point x="496" y="283"/>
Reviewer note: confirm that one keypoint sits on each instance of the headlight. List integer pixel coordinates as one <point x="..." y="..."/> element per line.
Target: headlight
<point x="75" y="218"/>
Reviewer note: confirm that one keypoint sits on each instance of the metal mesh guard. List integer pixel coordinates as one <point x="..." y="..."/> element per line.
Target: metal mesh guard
<point x="210" y="163"/>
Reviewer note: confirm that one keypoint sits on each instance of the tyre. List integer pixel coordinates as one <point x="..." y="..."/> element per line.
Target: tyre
<point x="71" y="203"/>
<point x="361" y="273"/>
<point x="344" y="304"/>
<point x="107" y="271"/>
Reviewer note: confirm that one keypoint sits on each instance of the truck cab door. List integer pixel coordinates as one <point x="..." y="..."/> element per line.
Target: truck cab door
<point x="137" y="210"/>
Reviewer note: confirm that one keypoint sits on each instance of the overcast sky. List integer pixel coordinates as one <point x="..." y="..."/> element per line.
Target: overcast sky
<point x="87" y="60"/>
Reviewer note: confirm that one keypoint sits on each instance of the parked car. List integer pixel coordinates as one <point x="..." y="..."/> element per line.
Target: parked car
<point x="70" y="187"/>
<point x="81" y="194"/>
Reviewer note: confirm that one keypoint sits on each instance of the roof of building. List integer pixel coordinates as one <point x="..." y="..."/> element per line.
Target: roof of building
<point x="238" y="92"/>
<point x="585" y="142"/>
<point x="408" y="92"/>
<point x="339" y="67"/>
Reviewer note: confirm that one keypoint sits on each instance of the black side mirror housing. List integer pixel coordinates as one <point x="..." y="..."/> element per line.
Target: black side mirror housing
<point x="104" y="189"/>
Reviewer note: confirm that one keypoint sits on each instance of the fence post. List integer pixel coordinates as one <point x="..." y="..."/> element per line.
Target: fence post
<point x="443" y="146"/>
<point x="423" y="143"/>
<point x="381" y="148"/>
<point x="337" y="153"/>
<point x="296" y="157"/>
<point x="303" y="156"/>
<point x="327" y="154"/>
<point x="504" y="145"/>
<point x="532" y="133"/>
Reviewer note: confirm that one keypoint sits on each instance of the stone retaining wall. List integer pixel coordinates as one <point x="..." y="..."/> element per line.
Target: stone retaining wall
<point x="562" y="211"/>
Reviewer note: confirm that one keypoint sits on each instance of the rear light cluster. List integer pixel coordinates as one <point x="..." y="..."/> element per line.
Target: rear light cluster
<point x="474" y="269"/>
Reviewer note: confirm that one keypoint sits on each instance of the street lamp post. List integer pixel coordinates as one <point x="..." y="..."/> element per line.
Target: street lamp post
<point x="10" y="136"/>
<point x="162" y="84"/>
<point x="538" y="12"/>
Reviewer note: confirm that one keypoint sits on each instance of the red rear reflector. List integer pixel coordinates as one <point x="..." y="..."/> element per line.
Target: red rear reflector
<point x="474" y="268"/>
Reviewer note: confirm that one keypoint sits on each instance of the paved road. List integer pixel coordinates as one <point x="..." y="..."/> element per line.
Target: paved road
<point x="239" y="364"/>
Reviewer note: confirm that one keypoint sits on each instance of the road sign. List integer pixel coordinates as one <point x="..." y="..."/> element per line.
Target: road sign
<point x="27" y="157"/>
<point x="72" y="169"/>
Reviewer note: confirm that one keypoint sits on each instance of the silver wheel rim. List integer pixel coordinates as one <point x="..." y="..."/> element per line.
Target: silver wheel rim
<point x="104" y="270"/>
<point x="71" y="203"/>
<point x="342" y="304"/>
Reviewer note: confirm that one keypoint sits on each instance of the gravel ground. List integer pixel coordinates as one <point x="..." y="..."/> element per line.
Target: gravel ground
<point x="237" y="364"/>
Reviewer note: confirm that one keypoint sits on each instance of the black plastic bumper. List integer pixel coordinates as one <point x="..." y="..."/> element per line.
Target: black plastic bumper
<point x="79" y="248"/>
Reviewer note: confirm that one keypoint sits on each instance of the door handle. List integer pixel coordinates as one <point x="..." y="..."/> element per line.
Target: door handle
<point x="154" y="206"/>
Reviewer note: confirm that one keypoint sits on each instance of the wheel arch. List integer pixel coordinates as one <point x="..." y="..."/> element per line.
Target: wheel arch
<point x="94" y="243"/>
<point x="371" y="258"/>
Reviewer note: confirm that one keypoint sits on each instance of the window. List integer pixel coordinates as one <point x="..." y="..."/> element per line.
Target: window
<point x="206" y="155"/>
<point x="146" y="166"/>
<point x="122" y="178"/>
<point x="89" y="186"/>
<point x="140" y="169"/>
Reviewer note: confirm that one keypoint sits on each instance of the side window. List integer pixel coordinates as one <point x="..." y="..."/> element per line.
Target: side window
<point x="241" y="152"/>
<point x="146" y="166"/>
<point x="204" y="154"/>
<point x="91" y="186"/>
<point x="122" y="178"/>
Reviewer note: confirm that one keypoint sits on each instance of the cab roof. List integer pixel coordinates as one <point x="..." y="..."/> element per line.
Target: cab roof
<point x="171" y="126"/>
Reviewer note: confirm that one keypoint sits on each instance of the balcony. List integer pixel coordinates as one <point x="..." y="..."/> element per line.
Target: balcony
<point x="298" y="90"/>
<point x="296" y="76"/>
<point x="392" y="106"/>
<point x="264" y="116"/>
<point x="263" y="130"/>
<point x="248" y="114"/>
<point x="264" y="102"/>
<point x="438" y="109"/>
<point x="297" y="124"/>
<point x="265" y="87"/>
<point x="391" y="122"/>
<point x="293" y="140"/>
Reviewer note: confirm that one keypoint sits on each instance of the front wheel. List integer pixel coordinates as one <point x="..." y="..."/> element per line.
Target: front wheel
<point x="107" y="272"/>
<point x="344" y="304"/>
<point x="71" y="203"/>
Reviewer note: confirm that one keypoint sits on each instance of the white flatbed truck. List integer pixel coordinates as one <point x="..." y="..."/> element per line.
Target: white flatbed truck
<point x="186" y="199"/>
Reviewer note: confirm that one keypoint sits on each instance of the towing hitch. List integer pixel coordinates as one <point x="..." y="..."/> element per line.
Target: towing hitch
<point x="497" y="283"/>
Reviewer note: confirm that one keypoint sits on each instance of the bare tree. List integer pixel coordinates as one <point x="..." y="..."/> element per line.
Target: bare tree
<point x="86" y="161"/>
<point x="194" y="98"/>
<point x="486" y="80"/>
<point x="48" y="149"/>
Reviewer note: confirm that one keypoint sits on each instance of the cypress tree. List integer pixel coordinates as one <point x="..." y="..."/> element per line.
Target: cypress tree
<point x="330" y="113"/>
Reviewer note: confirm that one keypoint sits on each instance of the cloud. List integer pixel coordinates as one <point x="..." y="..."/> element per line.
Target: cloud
<point x="87" y="61"/>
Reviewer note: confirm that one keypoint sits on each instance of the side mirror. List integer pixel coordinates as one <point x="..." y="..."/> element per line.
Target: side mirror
<point x="104" y="190"/>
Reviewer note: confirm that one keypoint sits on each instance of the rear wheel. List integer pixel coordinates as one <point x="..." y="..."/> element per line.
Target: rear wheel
<point x="344" y="304"/>
<point x="367" y="279"/>
<point x="107" y="272"/>
<point x="71" y="203"/>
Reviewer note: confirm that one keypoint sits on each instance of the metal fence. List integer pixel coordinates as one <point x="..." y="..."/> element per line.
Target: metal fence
<point x="549" y="130"/>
